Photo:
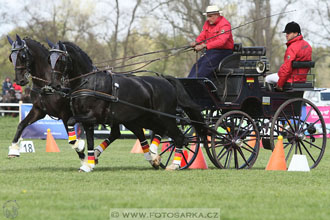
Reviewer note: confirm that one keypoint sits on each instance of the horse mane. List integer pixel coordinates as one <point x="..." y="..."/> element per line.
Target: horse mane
<point x="80" y="51"/>
<point x="36" y="44"/>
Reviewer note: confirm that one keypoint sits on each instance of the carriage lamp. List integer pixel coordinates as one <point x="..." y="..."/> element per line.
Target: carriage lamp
<point x="260" y="67"/>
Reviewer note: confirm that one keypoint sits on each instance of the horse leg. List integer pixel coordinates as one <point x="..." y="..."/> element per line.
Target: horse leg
<point x="88" y="166"/>
<point x="155" y="141"/>
<point x="77" y="144"/>
<point x="114" y="134"/>
<point x="153" y="158"/>
<point x="179" y="140"/>
<point x="33" y="116"/>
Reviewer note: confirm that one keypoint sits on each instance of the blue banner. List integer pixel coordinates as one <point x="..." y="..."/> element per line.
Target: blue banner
<point x="38" y="130"/>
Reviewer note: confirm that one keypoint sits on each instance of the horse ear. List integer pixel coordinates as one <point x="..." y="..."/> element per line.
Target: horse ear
<point x="50" y="44"/>
<point x="62" y="46"/>
<point x="19" y="40"/>
<point x="10" y="40"/>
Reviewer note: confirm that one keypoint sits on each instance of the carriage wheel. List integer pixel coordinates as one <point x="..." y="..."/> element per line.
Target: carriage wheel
<point x="189" y="151"/>
<point x="211" y="117"/>
<point x="236" y="144"/>
<point x="302" y="133"/>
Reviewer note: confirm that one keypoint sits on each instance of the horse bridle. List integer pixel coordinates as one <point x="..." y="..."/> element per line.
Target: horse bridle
<point x="27" y="63"/>
<point x="64" y="55"/>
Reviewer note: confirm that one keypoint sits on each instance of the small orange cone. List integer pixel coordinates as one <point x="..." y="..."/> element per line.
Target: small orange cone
<point x="51" y="145"/>
<point x="277" y="159"/>
<point x="199" y="162"/>
<point x="137" y="148"/>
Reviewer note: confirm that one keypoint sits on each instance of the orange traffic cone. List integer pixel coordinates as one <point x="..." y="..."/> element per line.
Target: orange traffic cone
<point x="252" y="141"/>
<point x="199" y="162"/>
<point x="51" y="145"/>
<point x="137" y="148"/>
<point x="261" y="146"/>
<point x="183" y="162"/>
<point x="166" y="145"/>
<point x="277" y="159"/>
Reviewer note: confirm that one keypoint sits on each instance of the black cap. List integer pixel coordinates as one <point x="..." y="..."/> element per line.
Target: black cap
<point x="292" y="27"/>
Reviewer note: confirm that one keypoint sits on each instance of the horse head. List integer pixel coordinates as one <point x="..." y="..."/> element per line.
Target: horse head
<point x="22" y="59"/>
<point x="67" y="61"/>
<point x="60" y="61"/>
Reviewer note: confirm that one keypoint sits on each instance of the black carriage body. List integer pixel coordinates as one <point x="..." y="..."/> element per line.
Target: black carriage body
<point x="239" y="86"/>
<point x="245" y="111"/>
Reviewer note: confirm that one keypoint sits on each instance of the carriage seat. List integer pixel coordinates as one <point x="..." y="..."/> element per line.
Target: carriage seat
<point x="301" y="86"/>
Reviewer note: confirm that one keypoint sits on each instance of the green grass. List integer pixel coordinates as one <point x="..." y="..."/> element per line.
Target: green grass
<point x="48" y="186"/>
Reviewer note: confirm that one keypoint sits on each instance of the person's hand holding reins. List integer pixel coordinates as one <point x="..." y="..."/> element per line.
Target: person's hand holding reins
<point x="200" y="47"/>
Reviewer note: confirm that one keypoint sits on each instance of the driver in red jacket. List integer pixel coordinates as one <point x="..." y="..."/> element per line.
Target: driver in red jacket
<point x="297" y="50"/>
<point x="217" y="48"/>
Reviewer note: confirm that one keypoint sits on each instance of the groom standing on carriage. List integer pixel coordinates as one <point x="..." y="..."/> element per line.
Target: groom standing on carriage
<point x="217" y="39"/>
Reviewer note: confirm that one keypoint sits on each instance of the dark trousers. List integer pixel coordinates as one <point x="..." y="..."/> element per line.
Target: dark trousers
<point x="207" y="64"/>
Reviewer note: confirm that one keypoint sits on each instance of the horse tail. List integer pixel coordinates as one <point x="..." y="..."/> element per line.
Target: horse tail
<point x="189" y="106"/>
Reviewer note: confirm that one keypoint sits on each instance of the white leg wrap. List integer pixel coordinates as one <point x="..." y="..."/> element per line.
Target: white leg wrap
<point x="14" y="150"/>
<point x="173" y="166"/>
<point x="147" y="156"/>
<point x="99" y="148"/>
<point x="153" y="148"/>
<point x="86" y="167"/>
<point x="79" y="145"/>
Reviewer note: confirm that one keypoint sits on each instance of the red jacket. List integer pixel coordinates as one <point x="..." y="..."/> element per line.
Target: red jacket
<point x="298" y="50"/>
<point x="223" y="41"/>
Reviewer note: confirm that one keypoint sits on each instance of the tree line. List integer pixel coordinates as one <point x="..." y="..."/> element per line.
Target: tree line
<point x="109" y="29"/>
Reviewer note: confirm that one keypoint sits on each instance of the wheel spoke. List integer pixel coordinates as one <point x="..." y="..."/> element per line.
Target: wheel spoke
<point x="235" y="158"/>
<point x="307" y="116"/>
<point x="289" y="153"/>
<point x="218" y="156"/>
<point x="294" y="121"/>
<point x="287" y="119"/>
<point x="184" y="157"/>
<point x="243" y="156"/>
<point x="169" y="146"/>
<point x="169" y="157"/>
<point x="240" y="124"/>
<point x="190" y="150"/>
<point x="251" y="151"/>
<point x="310" y="143"/>
<point x="299" y="147"/>
<point x="308" y="152"/>
<point x="229" y="159"/>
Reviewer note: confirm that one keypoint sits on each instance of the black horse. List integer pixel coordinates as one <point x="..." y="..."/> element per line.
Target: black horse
<point x="30" y="57"/>
<point x="100" y="97"/>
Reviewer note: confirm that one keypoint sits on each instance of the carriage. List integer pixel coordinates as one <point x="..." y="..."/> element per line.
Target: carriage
<point x="244" y="113"/>
<point x="240" y="112"/>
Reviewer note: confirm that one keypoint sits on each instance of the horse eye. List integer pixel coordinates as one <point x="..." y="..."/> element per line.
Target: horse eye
<point x="23" y="56"/>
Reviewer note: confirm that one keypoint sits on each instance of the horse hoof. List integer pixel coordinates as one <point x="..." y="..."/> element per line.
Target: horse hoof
<point x="156" y="162"/>
<point x="12" y="156"/>
<point x="173" y="167"/>
<point x="96" y="161"/>
<point x="86" y="168"/>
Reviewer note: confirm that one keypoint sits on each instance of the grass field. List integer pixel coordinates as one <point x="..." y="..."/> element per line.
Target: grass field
<point x="48" y="186"/>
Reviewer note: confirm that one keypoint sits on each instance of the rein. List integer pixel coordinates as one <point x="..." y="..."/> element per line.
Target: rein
<point x="112" y="98"/>
<point x="188" y="46"/>
<point x="147" y="62"/>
